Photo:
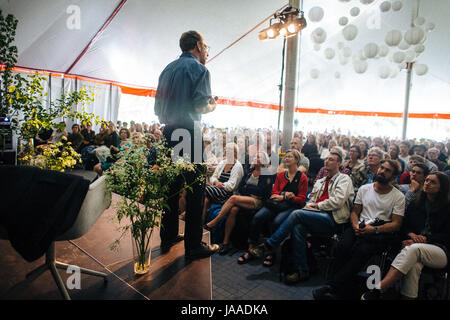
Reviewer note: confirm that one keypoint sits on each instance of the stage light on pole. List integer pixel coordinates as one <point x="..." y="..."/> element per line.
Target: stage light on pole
<point x="288" y="23"/>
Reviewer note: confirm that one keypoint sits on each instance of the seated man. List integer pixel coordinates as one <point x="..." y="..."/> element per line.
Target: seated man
<point x="377" y="213"/>
<point x="418" y="174"/>
<point x="329" y="206"/>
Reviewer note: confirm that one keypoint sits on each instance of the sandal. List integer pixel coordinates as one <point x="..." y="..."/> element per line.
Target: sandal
<point x="269" y="260"/>
<point x="246" y="257"/>
<point x="225" y="248"/>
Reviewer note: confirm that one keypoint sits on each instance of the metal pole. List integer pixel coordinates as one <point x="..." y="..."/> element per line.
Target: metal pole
<point x="409" y="66"/>
<point x="290" y="84"/>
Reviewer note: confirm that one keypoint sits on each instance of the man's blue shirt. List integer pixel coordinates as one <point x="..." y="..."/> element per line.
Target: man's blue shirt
<point x="183" y="86"/>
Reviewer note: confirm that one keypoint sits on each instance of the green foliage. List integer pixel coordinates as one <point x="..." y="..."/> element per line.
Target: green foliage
<point x="144" y="188"/>
<point x="25" y="103"/>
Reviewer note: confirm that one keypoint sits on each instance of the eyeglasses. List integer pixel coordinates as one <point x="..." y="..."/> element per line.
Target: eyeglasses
<point x="207" y="48"/>
<point x="373" y="155"/>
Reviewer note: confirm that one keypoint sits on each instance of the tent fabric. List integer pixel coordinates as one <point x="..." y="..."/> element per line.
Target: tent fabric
<point x="143" y="38"/>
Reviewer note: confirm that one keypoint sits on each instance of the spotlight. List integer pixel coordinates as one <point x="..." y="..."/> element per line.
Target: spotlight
<point x="289" y="22"/>
<point x="273" y="31"/>
<point x="263" y="35"/>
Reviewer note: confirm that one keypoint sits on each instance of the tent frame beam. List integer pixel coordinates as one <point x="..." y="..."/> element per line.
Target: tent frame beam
<point x="97" y="35"/>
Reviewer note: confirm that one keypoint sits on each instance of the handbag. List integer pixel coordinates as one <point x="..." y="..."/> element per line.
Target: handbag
<point x="283" y="205"/>
<point x="277" y="206"/>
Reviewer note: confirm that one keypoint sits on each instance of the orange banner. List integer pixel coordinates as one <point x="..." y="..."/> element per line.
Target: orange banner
<point x="151" y="92"/>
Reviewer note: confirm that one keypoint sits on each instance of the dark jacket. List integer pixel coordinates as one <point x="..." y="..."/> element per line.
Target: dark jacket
<point x="263" y="188"/>
<point x="415" y="218"/>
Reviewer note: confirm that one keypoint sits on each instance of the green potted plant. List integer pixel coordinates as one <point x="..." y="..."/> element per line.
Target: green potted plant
<point x="23" y="101"/>
<point x="141" y="177"/>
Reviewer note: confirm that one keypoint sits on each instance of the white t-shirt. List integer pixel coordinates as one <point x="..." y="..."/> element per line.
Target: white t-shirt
<point x="381" y="206"/>
<point x="406" y="161"/>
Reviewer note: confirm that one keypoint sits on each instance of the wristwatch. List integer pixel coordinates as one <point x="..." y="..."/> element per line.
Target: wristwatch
<point x="376" y="230"/>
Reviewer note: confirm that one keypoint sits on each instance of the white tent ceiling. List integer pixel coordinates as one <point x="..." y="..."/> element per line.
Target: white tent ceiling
<point x="143" y="38"/>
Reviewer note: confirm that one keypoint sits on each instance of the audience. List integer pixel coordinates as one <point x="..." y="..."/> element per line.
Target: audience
<point x="254" y="189"/>
<point x="426" y="234"/>
<point x="355" y="167"/>
<point x="225" y="179"/>
<point x="288" y="193"/>
<point x="328" y="207"/>
<point x="377" y="212"/>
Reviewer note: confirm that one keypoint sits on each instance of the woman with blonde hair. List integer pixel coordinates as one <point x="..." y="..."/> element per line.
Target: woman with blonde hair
<point x="288" y="193"/>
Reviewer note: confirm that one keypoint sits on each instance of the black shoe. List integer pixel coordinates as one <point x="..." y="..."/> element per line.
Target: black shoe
<point x="225" y="248"/>
<point x="203" y="251"/>
<point x="324" y="293"/>
<point x="374" y="294"/>
<point x="166" y="245"/>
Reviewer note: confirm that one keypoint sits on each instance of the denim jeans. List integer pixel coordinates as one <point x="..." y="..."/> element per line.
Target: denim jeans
<point x="265" y="215"/>
<point x="300" y="223"/>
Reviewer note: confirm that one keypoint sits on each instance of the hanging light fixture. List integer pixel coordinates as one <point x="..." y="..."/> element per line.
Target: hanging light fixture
<point x="287" y="23"/>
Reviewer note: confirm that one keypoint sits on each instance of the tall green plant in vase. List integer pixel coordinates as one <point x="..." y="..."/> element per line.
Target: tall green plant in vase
<point x="141" y="177"/>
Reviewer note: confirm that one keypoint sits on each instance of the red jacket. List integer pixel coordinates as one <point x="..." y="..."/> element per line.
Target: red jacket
<point x="280" y="183"/>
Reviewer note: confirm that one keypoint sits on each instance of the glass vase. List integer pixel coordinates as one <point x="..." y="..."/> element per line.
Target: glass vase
<point x="142" y="249"/>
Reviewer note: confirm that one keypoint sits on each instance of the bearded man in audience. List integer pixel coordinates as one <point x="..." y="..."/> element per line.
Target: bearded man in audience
<point x="376" y="215"/>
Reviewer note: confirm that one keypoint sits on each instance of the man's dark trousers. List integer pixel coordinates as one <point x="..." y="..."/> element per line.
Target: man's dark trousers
<point x="194" y="201"/>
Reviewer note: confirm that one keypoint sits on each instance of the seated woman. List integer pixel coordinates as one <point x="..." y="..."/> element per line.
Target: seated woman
<point x="253" y="190"/>
<point x="225" y="179"/>
<point x="427" y="239"/>
<point x="124" y="134"/>
<point x="355" y="165"/>
<point x="289" y="190"/>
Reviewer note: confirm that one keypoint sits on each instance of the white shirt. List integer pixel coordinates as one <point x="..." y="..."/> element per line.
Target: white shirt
<point x="381" y="206"/>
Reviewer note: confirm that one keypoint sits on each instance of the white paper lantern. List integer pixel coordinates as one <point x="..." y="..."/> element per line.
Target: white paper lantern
<point x="337" y="75"/>
<point x="350" y="32"/>
<point x="385" y="6"/>
<point x="397" y="5"/>
<point x="421" y="69"/>
<point x="367" y="1"/>
<point x="354" y="11"/>
<point x="383" y="51"/>
<point x="343" y="60"/>
<point x="419" y="21"/>
<point x="414" y="35"/>
<point x="419" y="49"/>
<point x="371" y="50"/>
<point x="317" y="47"/>
<point x="319" y="35"/>
<point x="347" y="52"/>
<point x="398" y="57"/>
<point x="343" y="21"/>
<point x="410" y="55"/>
<point x="340" y="45"/>
<point x="361" y="55"/>
<point x="315" y="14"/>
<point x="360" y="66"/>
<point x="393" y="38"/>
<point x="384" y="72"/>
<point x="430" y="26"/>
<point x="314" y="73"/>
<point x="403" y="45"/>
<point x="344" y="0"/>
<point x="329" y="53"/>
<point x="394" y="72"/>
